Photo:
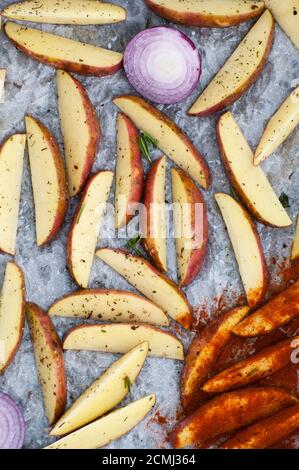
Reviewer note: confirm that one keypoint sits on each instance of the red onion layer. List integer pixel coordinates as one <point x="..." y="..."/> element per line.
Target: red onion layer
<point x="12" y="425"/>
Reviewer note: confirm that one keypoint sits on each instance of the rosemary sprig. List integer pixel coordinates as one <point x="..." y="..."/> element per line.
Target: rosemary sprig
<point x="80" y="213"/>
<point x="145" y="141"/>
<point x="284" y="199"/>
<point x="128" y="383"/>
<point x="133" y="243"/>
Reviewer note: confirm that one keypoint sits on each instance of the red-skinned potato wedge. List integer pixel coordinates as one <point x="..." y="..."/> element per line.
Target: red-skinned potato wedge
<point x="12" y="314"/>
<point x="247" y="247"/>
<point x="266" y="362"/>
<point x="286" y="14"/>
<point x="49" y="361"/>
<point x="80" y="129"/>
<point x="150" y="282"/>
<point x="154" y="238"/>
<point x="203" y="354"/>
<point x="274" y="314"/>
<point x="63" y="53"/>
<point x="266" y="432"/>
<point x="207" y="13"/>
<point x="109" y="305"/>
<point x="229" y="412"/>
<point x="11" y="170"/>
<point x="295" y="244"/>
<point x="191" y="226"/>
<point x="240" y="71"/>
<point x="249" y="181"/>
<point x="84" y="230"/>
<point x="129" y="170"/>
<point x="169" y="137"/>
<point x="48" y="180"/>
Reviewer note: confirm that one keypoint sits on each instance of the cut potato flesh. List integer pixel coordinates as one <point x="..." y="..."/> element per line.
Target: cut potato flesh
<point x="150" y="282"/>
<point x="170" y="138"/>
<point x="121" y="337"/>
<point x="2" y="81"/>
<point x="105" y="393"/>
<point x="79" y="127"/>
<point x="62" y="52"/>
<point x="12" y="314"/>
<point x="62" y="12"/>
<point x="286" y="13"/>
<point x="240" y="71"/>
<point x="247" y="247"/>
<point x="295" y="245"/>
<point x="11" y="170"/>
<point x="249" y="181"/>
<point x="86" y="226"/>
<point x="109" y="305"/>
<point x="108" y="428"/>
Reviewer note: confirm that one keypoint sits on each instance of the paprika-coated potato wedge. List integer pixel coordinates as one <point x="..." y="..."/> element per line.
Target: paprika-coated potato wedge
<point x="228" y="412"/>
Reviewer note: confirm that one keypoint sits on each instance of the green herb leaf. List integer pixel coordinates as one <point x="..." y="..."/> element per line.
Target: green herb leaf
<point x="150" y="139"/>
<point x="133" y="243"/>
<point x="128" y="383"/>
<point x="284" y="199"/>
<point x="145" y="141"/>
<point x="80" y="213"/>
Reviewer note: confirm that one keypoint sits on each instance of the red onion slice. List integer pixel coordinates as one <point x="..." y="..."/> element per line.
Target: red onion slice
<point x="12" y="425"/>
<point x="162" y="64"/>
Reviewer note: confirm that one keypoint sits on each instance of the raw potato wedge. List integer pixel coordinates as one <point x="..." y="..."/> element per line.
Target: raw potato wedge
<point x="249" y="181"/>
<point x="266" y="432"/>
<point x="286" y="14"/>
<point x="207" y="13"/>
<point x="274" y="314"/>
<point x="48" y="180"/>
<point x="109" y="305"/>
<point x="295" y="244"/>
<point x="203" y="354"/>
<point x="12" y="314"/>
<point x="11" y="170"/>
<point x="49" y="361"/>
<point x="62" y="12"/>
<point x="105" y="393"/>
<point x="280" y="126"/>
<point x="240" y="71"/>
<point x="80" y="129"/>
<point x="83" y="234"/>
<point x="229" y="412"/>
<point x="63" y="53"/>
<point x="256" y="367"/>
<point x="108" y="428"/>
<point x="150" y="282"/>
<point x="121" y="337"/>
<point x="154" y="238"/>
<point x="247" y="247"/>
<point x="129" y="171"/>
<point x="190" y="226"/>
<point x="169" y="137"/>
<point x="2" y="82"/>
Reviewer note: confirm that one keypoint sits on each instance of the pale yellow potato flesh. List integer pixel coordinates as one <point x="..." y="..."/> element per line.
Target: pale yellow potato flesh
<point x="121" y="337"/>
<point x="108" y="428"/>
<point x="105" y="393"/>
<point x="65" y="12"/>
<point x="210" y="7"/>
<point x="280" y="126"/>
<point x="2" y="81"/>
<point x="250" y="179"/>
<point x="109" y="305"/>
<point x="241" y="65"/>
<point x="11" y="313"/>
<point x="286" y="14"/>
<point x="11" y="171"/>
<point x="86" y="227"/>
<point x="295" y="245"/>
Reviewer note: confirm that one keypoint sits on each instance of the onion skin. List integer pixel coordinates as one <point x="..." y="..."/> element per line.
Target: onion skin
<point x="11" y="415"/>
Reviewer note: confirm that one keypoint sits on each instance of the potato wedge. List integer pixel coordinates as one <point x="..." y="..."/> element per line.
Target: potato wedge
<point x="256" y="367"/>
<point x="240" y="71"/>
<point x="121" y="337"/>
<point x="249" y="181"/>
<point x="12" y="314"/>
<point x="62" y="12"/>
<point x="266" y="432"/>
<point x="83" y="234"/>
<point x="105" y="393"/>
<point x="11" y="170"/>
<point x="63" y="53"/>
<point x="109" y="305"/>
<point x="150" y="282"/>
<point x="207" y="13"/>
<point x="170" y="138"/>
<point x="229" y="412"/>
<point x="49" y="361"/>
<point x="107" y="428"/>
<point x="277" y="312"/>
<point x="286" y="14"/>
<point x="2" y="82"/>
<point x="203" y="354"/>
<point x="295" y="244"/>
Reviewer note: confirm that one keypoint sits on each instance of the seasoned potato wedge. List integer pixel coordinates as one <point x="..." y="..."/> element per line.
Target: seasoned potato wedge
<point x="286" y="14"/>
<point x="295" y="244"/>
